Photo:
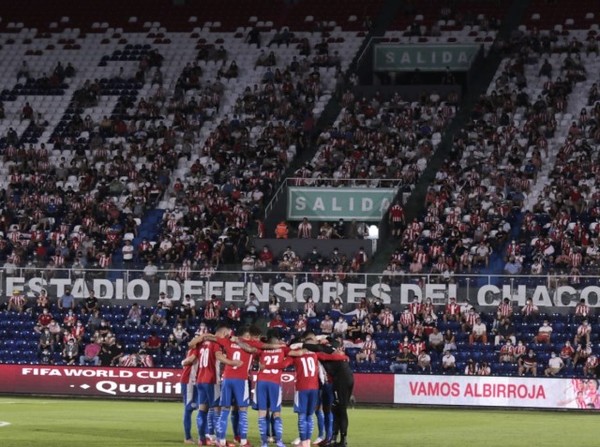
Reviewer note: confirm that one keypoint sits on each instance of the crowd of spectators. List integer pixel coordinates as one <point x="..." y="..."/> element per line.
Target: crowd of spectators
<point x="560" y="234"/>
<point x="378" y="139"/>
<point x="221" y="199"/>
<point x="422" y="338"/>
<point x="477" y="196"/>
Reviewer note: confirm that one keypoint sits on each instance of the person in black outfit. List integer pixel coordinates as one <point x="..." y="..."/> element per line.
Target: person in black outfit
<point x="343" y="385"/>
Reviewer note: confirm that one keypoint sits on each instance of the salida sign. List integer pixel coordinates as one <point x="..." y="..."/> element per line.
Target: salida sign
<point x="139" y="289"/>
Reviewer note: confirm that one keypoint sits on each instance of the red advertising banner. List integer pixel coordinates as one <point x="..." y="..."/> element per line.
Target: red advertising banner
<point x="140" y="383"/>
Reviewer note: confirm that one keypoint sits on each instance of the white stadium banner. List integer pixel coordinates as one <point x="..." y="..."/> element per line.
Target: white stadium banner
<point x="299" y="289"/>
<point x="488" y="391"/>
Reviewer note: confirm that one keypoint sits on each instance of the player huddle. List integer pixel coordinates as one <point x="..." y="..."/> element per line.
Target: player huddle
<point x="216" y="381"/>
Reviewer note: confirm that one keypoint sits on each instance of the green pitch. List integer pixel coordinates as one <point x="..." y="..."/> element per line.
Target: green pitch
<point x="90" y="423"/>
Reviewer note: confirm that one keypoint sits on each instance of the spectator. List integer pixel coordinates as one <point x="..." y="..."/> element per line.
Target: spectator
<point x="42" y="301"/>
<point x="91" y="354"/>
<point x="590" y="367"/>
<point x="484" y="369"/>
<point x="234" y="315"/>
<point x="341" y="327"/>
<point x="555" y="365"/>
<point x="368" y="351"/>
<point x="180" y="334"/>
<point x="504" y="332"/>
<point x="212" y="310"/>
<point x="278" y="324"/>
<point x="150" y="271"/>
<point x="470" y="368"/>
<point x="424" y="361"/>
<point x="70" y="352"/>
<point x="584" y="331"/>
<point x="452" y="311"/>
<point x="582" y="352"/>
<point x="274" y="304"/>
<point x="566" y="353"/>
<point x="513" y="266"/>
<point x="482" y="254"/>
<point x="90" y="304"/>
<point x="529" y="311"/>
<point x="528" y="364"/>
<point x="94" y="322"/>
<point x="172" y="347"/>
<point x="17" y="302"/>
<point x="469" y="319"/>
<point x="448" y="363"/>
<point x="326" y="325"/>
<point x="158" y="317"/>
<point x="166" y="301"/>
<point x="153" y="343"/>
<point x="449" y="341"/>
<point x="251" y="308"/>
<point x="46" y="341"/>
<point x="507" y="352"/>
<point x="386" y="318"/>
<point x="403" y="361"/>
<point x="134" y="316"/>
<point x="43" y="321"/>
<point x="111" y="352"/>
<point x="67" y="301"/>
<point x="436" y="340"/>
<point x="189" y="304"/>
<point x="78" y="331"/>
<point x="282" y="231"/>
<point x="544" y="333"/>
<point x="582" y="311"/>
<point x="478" y="333"/>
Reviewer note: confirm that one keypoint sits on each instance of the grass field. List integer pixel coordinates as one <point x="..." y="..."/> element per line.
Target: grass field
<point x="76" y="422"/>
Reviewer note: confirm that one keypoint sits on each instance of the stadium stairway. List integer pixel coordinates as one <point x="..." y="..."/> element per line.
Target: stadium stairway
<point x="482" y="76"/>
<point x="148" y="229"/>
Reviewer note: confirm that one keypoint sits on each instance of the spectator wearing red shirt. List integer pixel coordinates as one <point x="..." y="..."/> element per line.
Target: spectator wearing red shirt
<point x="234" y="315"/>
<point x="90" y="354"/>
<point x="153" y="343"/>
<point x="43" y="320"/>
<point x="452" y="311"/>
<point x="277" y="323"/>
<point x="266" y="256"/>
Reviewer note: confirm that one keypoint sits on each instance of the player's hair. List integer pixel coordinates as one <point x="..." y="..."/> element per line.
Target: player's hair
<point x="307" y="334"/>
<point x="272" y="336"/>
<point x="221" y="327"/>
<point x="255" y="331"/>
<point x="243" y="330"/>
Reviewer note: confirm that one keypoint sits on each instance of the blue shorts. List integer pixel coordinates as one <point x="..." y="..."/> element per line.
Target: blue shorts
<point x="306" y="401"/>
<point x="190" y="396"/>
<point x="327" y="395"/>
<point x="208" y="394"/>
<point x="235" y="391"/>
<point x="268" y="396"/>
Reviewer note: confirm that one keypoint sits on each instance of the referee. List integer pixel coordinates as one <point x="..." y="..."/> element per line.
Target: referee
<point x="343" y="385"/>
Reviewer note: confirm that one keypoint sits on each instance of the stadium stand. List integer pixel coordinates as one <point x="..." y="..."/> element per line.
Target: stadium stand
<point x="109" y="122"/>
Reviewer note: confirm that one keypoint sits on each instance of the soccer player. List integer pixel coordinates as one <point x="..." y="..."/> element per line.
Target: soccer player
<point x="189" y="392"/>
<point x="324" y="412"/>
<point x="209" y="358"/>
<point x="308" y="377"/>
<point x="268" y="392"/>
<point x="235" y="387"/>
<point x="343" y="385"/>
